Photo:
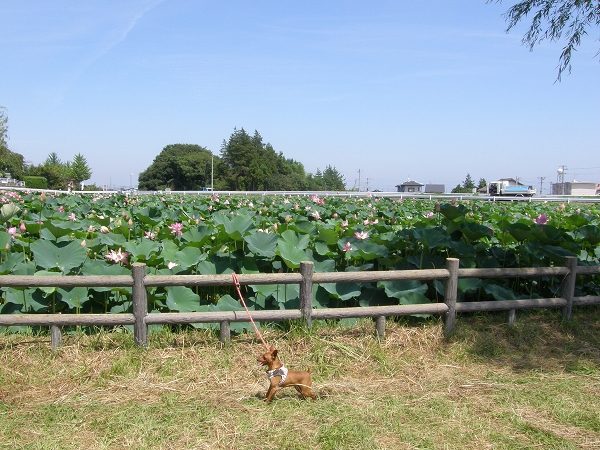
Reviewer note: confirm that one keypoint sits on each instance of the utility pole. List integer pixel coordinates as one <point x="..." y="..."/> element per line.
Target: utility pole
<point x="358" y="180"/>
<point x="542" y="184"/>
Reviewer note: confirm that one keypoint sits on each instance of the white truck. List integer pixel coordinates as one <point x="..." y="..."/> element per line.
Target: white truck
<point x="504" y="188"/>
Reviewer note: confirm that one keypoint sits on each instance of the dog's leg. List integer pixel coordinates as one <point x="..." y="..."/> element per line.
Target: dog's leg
<point x="271" y="392"/>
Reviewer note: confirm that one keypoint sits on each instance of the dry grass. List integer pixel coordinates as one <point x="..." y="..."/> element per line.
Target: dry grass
<point x="488" y="386"/>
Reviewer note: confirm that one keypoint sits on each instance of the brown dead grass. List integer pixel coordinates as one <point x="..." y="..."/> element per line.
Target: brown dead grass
<point x="488" y="386"/>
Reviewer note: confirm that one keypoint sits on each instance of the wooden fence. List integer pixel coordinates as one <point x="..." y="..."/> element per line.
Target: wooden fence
<point x="139" y="281"/>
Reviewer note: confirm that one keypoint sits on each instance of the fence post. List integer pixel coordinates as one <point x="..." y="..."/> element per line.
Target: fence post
<point x="140" y="304"/>
<point x="55" y="336"/>
<point x="568" y="287"/>
<point x="380" y="326"/>
<point x="306" y="292"/>
<point x="451" y="294"/>
<point x="225" y="331"/>
<point x="512" y="317"/>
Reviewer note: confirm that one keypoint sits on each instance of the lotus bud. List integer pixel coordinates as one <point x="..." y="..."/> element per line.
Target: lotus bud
<point x="437" y="207"/>
<point x="83" y="243"/>
<point x="43" y="197"/>
<point x="130" y="223"/>
<point x="22" y="226"/>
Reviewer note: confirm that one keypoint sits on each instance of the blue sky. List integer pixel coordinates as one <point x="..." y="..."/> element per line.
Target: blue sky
<point x="428" y="90"/>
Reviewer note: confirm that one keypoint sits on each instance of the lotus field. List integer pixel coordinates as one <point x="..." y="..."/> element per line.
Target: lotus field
<point x="70" y="234"/>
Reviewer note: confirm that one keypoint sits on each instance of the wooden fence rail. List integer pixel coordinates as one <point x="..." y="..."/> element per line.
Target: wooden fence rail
<point x="139" y="281"/>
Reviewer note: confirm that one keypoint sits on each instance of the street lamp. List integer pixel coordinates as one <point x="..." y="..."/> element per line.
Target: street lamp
<point x="212" y="171"/>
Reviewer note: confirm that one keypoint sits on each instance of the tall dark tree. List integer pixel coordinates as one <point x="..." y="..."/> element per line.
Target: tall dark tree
<point x="333" y="180"/>
<point x="79" y="170"/>
<point x="554" y="20"/>
<point x="467" y="186"/>
<point x="245" y="161"/>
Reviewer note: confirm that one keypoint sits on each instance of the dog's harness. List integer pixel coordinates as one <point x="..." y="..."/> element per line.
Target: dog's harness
<point x="281" y="372"/>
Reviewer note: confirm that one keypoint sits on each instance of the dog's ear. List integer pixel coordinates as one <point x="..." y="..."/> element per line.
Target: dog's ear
<point x="274" y="352"/>
<point x="272" y="348"/>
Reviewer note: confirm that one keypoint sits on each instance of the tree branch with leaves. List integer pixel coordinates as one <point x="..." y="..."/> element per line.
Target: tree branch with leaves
<point x="555" y="20"/>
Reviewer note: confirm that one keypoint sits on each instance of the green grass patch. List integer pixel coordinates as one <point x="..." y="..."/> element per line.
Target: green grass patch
<point x="489" y="385"/>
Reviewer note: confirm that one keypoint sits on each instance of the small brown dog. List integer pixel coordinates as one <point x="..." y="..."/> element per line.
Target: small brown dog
<point x="279" y="376"/>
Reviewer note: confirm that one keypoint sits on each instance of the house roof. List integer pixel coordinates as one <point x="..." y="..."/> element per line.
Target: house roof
<point x="410" y="183"/>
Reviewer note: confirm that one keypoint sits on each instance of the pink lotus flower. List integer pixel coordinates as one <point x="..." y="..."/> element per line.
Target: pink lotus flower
<point x="72" y="217"/>
<point x="61" y="209"/>
<point x="149" y="235"/>
<point x="361" y="235"/>
<point x="316" y="215"/>
<point x="319" y="201"/>
<point x="13" y="232"/>
<point x="176" y="228"/>
<point x="118" y="256"/>
<point x="347" y="247"/>
<point x="541" y="219"/>
<point x="345" y="223"/>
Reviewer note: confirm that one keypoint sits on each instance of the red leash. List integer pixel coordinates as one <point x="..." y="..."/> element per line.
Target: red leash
<point x="237" y="286"/>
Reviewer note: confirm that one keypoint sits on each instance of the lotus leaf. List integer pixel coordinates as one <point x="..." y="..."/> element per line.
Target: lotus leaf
<point x="74" y="297"/>
<point x="342" y="291"/>
<point x="182" y="299"/>
<point x="499" y="292"/>
<point x="7" y="211"/>
<point x="432" y="237"/>
<point x="589" y="233"/>
<point x="262" y="244"/>
<point x="372" y="296"/>
<point x="291" y="254"/>
<point x="519" y="231"/>
<point x="399" y="289"/>
<point x="58" y="255"/>
<point x="299" y="241"/>
<point x="452" y="212"/>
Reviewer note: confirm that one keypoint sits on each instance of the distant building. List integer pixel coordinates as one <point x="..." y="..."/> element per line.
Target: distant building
<point x="7" y="181"/>
<point x="579" y="188"/>
<point x="435" y="188"/>
<point x="410" y="186"/>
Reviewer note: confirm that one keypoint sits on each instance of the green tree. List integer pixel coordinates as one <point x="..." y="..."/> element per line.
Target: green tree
<point x="466" y="188"/>
<point x="3" y="128"/>
<point x="180" y="167"/>
<point x="333" y="180"/>
<point x="247" y="161"/>
<point x="554" y="19"/>
<point x="482" y="183"/>
<point x="53" y="170"/>
<point x="10" y="162"/>
<point x="52" y="160"/>
<point x="468" y="184"/>
<point x="78" y="169"/>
